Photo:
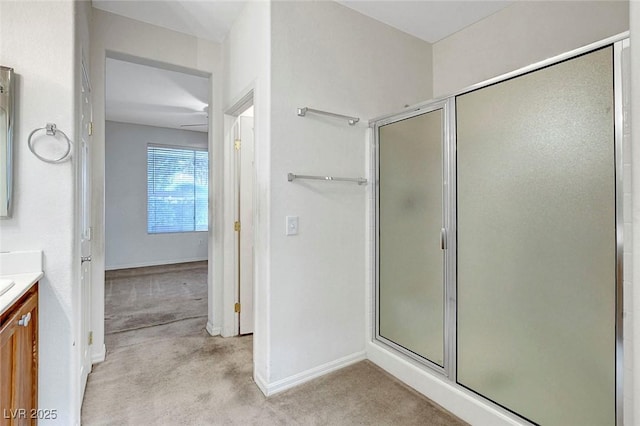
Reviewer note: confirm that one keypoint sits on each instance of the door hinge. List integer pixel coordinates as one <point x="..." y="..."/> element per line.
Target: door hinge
<point x="236" y="225"/>
<point x="237" y="144"/>
<point x="90" y="128"/>
<point x="236" y="308"/>
<point x="91" y="337"/>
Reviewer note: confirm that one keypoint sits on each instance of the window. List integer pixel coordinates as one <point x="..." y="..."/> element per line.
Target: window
<point x="177" y="189"/>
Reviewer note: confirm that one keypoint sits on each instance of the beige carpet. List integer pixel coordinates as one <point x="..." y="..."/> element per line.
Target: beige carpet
<point x="175" y="373"/>
<point x="143" y="297"/>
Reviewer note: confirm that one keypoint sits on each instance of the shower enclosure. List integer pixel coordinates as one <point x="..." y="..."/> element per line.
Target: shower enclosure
<point x="498" y="238"/>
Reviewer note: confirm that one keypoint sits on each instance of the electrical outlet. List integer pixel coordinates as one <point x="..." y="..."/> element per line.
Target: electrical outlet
<point x="292" y="225"/>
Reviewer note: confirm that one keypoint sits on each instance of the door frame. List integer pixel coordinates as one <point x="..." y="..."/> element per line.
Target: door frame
<point x="98" y="74"/>
<point x="618" y="43"/>
<point x="230" y="284"/>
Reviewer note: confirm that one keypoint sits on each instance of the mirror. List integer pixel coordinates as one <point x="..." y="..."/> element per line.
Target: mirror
<point x="6" y="140"/>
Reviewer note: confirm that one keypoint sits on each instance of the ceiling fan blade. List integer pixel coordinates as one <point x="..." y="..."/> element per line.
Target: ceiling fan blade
<point x="194" y="125"/>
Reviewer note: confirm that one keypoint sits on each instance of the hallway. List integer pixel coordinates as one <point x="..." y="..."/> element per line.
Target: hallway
<point x="175" y="373"/>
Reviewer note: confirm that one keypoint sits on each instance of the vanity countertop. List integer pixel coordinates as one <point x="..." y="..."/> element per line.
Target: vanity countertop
<point x="24" y="268"/>
<point x="23" y="282"/>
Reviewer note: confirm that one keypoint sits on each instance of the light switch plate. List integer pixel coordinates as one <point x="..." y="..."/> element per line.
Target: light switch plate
<point x="292" y="225"/>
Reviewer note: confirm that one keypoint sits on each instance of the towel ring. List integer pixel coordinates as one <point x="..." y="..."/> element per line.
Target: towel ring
<point x="51" y="130"/>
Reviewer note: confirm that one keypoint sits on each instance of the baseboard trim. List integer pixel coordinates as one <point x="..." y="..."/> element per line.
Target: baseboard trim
<point x="214" y="331"/>
<point x="261" y="383"/>
<point x="448" y="395"/>
<point x="84" y="377"/>
<point x="228" y="331"/>
<point x="98" y="357"/>
<point x="153" y="263"/>
<point x="297" y="379"/>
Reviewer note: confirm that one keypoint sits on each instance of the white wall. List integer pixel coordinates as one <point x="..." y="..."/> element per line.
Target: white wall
<point x="37" y="40"/>
<point x="519" y="35"/>
<point x="128" y="244"/>
<point x="115" y="35"/>
<point x="247" y="68"/>
<point x="328" y="57"/>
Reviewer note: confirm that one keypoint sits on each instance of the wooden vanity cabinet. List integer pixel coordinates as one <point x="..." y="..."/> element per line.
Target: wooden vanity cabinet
<point x="19" y="361"/>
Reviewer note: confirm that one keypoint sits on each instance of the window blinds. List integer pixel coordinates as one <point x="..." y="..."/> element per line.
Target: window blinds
<point x="177" y="189"/>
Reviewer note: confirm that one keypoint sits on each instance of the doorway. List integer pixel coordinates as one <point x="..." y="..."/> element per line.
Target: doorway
<point x="156" y="194"/>
<point x="239" y="282"/>
<point x="244" y="184"/>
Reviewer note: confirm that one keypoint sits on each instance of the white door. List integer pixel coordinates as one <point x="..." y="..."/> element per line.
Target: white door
<point x="84" y="229"/>
<point x="244" y="198"/>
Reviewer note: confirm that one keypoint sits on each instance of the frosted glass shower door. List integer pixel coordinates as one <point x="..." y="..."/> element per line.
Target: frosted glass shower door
<point x="411" y="288"/>
<point x="536" y="259"/>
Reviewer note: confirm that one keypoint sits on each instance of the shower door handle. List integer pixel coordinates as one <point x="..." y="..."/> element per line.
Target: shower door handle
<point x="443" y="238"/>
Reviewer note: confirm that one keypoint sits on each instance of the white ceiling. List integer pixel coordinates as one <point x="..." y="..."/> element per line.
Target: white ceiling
<point x="428" y="20"/>
<point x="156" y="97"/>
<point x="207" y="19"/>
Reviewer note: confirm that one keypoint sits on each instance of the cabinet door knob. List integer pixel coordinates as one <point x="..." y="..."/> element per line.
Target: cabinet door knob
<point x="85" y="259"/>
<point x="24" y="321"/>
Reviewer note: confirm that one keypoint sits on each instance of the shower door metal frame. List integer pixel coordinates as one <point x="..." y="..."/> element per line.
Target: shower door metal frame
<point x="620" y="71"/>
<point x="447" y="265"/>
<point x="447" y="104"/>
